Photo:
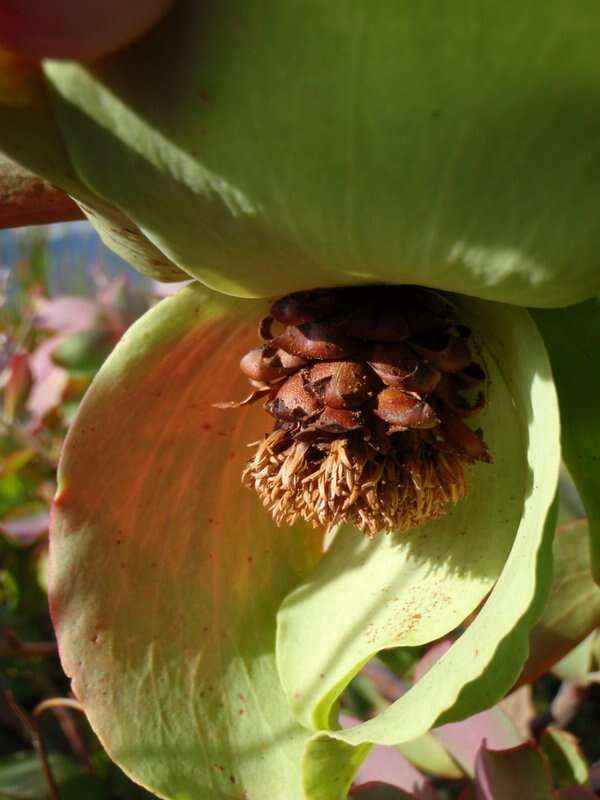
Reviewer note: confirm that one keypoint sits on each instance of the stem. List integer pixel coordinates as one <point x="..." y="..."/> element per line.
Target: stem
<point x="32" y="727"/>
<point x="13" y="647"/>
<point x="28" y="200"/>
<point x="28" y="649"/>
<point x="57" y="702"/>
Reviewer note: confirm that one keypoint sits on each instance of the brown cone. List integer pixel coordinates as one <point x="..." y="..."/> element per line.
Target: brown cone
<point x="367" y="388"/>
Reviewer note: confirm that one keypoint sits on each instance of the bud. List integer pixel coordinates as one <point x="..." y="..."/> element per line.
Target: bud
<point x="369" y="388"/>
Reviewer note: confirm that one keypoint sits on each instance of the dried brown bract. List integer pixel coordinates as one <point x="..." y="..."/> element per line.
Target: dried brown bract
<point x="369" y="387"/>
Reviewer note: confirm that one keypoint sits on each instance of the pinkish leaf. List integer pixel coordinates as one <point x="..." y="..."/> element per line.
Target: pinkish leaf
<point x="518" y="705"/>
<point x="379" y="791"/>
<point x="25" y="530"/>
<point x="151" y="525"/>
<point x="435" y="652"/>
<point x="389" y="765"/>
<point x="49" y="380"/>
<point x="463" y="740"/>
<point x="64" y="314"/>
<point x="47" y="393"/>
<point x="519" y="773"/>
<point x="40" y="360"/>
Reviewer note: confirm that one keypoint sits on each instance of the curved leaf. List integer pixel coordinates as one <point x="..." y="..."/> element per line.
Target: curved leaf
<point x="166" y="574"/>
<point x="30" y="135"/>
<point x="572" y="336"/>
<point x="380" y="791"/>
<point x="564" y="755"/>
<point x="482" y="665"/>
<point x="463" y="739"/>
<point x="577" y="665"/>
<point x="519" y="772"/>
<point x="573" y="607"/>
<point x="266" y="148"/>
<point x="402" y="589"/>
<point x="390" y="766"/>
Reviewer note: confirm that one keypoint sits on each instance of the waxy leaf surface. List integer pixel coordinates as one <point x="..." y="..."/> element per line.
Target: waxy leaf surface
<point x="166" y="574"/>
<point x="388" y="595"/>
<point x="283" y="145"/>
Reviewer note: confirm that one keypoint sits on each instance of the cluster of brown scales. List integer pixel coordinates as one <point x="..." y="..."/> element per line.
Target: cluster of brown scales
<point x="369" y="387"/>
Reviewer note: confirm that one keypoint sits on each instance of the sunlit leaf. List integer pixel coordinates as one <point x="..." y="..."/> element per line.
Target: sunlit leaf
<point x="577" y="664"/>
<point x="30" y="135"/>
<point x="273" y="147"/>
<point x="438" y="573"/>
<point x="166" y="574"/>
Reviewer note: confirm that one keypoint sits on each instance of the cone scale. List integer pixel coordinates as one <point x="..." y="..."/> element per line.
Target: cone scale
<point x="369" y="388"/>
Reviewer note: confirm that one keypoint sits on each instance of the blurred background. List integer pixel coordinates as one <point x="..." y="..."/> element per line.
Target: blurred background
<point x="65" y="300"/>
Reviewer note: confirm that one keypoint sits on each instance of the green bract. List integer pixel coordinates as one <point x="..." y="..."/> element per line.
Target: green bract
<point x="266" y="148"/>
<point x="167" y="574"/>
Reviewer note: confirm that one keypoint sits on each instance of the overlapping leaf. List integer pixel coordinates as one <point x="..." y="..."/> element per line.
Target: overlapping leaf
<point x="324" y="635"/>
<point x="30" y="135"/>
<point x="272" y="147"/>
<point x="166" y="574"/>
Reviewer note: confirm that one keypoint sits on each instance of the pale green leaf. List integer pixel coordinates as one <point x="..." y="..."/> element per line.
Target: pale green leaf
<point x="166" y="573"/>
<point x="577" y="664"/>
<point x="283" y="145"/>
<point x="430" y="755"/>
<point x="416" y="587"/>
<point x="29" y="135"/>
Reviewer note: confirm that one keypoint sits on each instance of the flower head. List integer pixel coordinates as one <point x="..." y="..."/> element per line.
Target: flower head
<point x="284" y="150"/>
<point x="367" y="388"/>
